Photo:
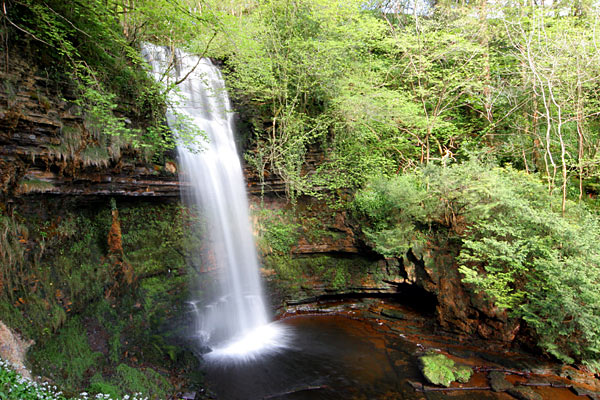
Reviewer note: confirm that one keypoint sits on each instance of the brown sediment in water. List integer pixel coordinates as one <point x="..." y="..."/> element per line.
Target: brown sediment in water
<point x="402" y="335"/>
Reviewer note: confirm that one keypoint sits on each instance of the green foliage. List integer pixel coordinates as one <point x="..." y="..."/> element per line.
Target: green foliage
<point x="516" y="245"/>
<point x="441" y="370"/>
<point x="287" y="63"/>
<point x="278" y="231"/>
<point x="395" y="208"/>
<point x="66" y="356"/>
<point x="13" y="386"/>
<point x="146" y="381"/>
<point x="84" y="45"/>
<point x="380" y="93"/>
<point x="377" y="95"/>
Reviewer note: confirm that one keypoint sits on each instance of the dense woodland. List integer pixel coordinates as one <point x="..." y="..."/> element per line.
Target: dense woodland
<point x="476" y="121"/>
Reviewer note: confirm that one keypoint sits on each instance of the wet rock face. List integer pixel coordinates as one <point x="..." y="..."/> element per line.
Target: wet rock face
<point x="524" y="393"/>
<point x="459" y="309"/>
<point x="498" y="382"/>
<point x="321" y="230"/>
<point x="429" y="272"/>
<point x="47" y="147"/>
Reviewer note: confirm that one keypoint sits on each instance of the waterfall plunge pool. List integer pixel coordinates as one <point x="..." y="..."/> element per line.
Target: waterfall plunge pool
<point x="352" y="351"/>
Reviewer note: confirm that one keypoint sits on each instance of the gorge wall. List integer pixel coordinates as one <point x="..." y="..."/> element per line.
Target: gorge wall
<point x="309" y="250"/>
<point x="47" y="147"/>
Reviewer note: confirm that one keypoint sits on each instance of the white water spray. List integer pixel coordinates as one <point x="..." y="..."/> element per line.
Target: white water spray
<point x="234" y="323"/>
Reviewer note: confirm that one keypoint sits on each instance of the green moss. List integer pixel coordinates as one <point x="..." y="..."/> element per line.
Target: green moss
<point x="10" y="89"/>
<point x="146" y="381"/>
<point x="341" y="278"/>
<point x="61" y="295"/>
<point x="13" y="234"/>
<point x="441" y="370"/>
<point x="34" y="186"/>
<point x="66" y="356"/>
<point x="334" y="272"/>
<point x="278" y="231"/>
<point x="154" y="239"/>
<point x="463" y="373"/>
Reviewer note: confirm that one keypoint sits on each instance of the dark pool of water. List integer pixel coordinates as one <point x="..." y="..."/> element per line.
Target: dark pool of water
<point x="329" y="357"/>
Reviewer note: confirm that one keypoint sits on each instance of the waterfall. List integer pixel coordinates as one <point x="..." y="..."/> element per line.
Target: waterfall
<point x="234" y="321"/>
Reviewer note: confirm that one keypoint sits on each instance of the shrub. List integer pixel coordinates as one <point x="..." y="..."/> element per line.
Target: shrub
<point x="515" y="244"/>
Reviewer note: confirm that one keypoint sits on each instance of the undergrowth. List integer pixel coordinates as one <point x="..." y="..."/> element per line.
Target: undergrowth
<point x="88" y="336"/>
<point x="14" y="386"/>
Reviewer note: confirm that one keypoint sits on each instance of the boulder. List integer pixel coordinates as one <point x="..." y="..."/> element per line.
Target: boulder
<point x="13" y="349"/>
<point x="498" y="382"/>
<point x="524" y="393"/>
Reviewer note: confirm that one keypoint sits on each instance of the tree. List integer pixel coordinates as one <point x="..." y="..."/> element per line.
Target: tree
<point x="560" y="60"/>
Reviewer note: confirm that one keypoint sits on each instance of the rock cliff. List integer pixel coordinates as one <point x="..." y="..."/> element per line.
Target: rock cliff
<point x="47" y="147"/>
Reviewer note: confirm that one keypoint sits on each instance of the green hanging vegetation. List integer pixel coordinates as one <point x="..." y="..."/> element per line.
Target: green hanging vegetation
<point x="92" y="49"/>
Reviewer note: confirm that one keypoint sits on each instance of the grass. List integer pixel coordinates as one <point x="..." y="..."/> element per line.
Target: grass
<point x="66" y="357"/>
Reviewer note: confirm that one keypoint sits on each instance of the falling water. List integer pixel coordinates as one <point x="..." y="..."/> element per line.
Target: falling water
<point x="234" y="323"/>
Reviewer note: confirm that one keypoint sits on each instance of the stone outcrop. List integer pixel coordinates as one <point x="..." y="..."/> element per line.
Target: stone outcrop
<point x="322" y="230"/>
<point x="459" y="309"/>
<point x="47" y="147"/>
<point x="13" y="349"/>
<point x="429" y="274"/>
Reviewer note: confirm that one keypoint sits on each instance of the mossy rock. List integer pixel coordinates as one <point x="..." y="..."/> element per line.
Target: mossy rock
<point x="524" y="393"/>
<point x="441" y="370"/>
<point x="498" y="382"/>
<point x="394" y="314"/>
